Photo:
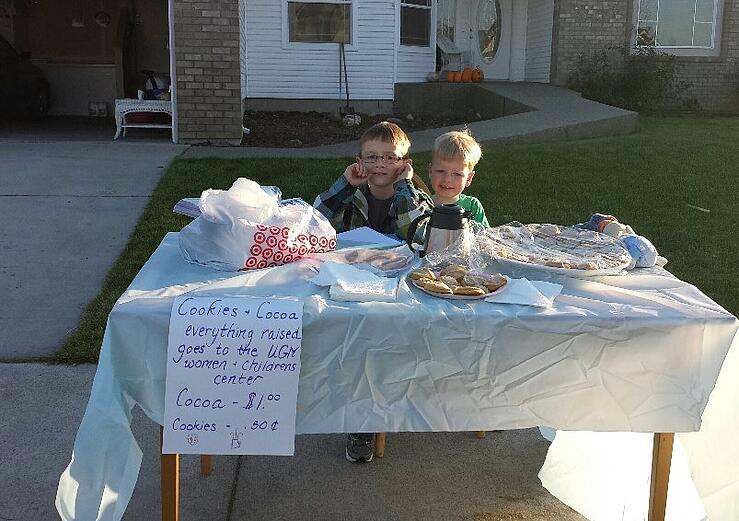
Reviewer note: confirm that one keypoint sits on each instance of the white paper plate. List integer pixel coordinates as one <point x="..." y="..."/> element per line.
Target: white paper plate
<point x="458" y="297"/>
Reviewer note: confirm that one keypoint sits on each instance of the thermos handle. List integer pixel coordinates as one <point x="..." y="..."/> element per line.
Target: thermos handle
<point x="412" y="232"/>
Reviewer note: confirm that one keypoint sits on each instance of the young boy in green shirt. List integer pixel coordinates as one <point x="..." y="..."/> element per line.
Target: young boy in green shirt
<point x="453" y="160"/>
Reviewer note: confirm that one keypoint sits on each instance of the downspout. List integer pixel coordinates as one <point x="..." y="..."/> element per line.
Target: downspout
<point x="173" y="71"/>
<point x="554" y="55"/>
<point x="396" y="44"/>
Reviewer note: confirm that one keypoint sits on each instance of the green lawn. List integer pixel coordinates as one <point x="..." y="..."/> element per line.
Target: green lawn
<point x="648" y="179"/>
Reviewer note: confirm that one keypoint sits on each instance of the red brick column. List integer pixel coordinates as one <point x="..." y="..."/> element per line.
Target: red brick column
<point x="207" y="74"/>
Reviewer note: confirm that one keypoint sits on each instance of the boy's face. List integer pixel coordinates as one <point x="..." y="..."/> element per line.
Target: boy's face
<point x="382" y="161"/>
<point x="449" y="177"/>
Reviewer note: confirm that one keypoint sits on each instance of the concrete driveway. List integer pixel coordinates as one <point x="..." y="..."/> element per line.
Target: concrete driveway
<point x="424" y="476"/>
<point x="69" y="199"/>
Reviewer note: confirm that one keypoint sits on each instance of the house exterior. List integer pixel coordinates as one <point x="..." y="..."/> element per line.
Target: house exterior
<point x="386" y="42"/>
<point x="227" y="55"/>
<point x="289" y="50"/>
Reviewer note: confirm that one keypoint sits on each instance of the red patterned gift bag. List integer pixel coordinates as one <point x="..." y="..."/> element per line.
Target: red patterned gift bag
<point x="249" y="227"/>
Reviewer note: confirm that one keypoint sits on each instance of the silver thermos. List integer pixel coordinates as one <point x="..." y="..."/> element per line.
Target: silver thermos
<point x="446" y="224"/>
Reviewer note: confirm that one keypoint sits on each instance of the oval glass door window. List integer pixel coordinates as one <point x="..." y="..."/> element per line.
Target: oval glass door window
<point x="488" y="28"/>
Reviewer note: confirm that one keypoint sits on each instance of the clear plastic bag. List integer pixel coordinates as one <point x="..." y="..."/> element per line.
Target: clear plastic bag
<point x="244" y="200"/>
<point x="554" y="246"/>
<point x="547" y="248"/>
<point x="462" y="252"/>
<point x="249" y="227"/>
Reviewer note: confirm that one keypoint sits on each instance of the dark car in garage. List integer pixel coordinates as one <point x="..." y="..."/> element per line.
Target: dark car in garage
<point x="23" y="87"/>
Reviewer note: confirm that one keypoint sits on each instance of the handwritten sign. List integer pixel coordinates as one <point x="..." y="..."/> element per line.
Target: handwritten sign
<point x="232" y="375"/>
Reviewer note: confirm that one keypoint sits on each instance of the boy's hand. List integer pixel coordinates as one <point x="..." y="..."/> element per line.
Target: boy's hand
<point x="356" y="174"/>
<point x="404" y="171"/>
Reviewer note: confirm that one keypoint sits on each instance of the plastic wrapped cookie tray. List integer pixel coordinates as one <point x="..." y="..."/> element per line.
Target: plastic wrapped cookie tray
<point x="554" y="248"/>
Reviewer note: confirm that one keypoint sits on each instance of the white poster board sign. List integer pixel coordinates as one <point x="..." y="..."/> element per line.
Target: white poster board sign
<point x="232" y="375"/>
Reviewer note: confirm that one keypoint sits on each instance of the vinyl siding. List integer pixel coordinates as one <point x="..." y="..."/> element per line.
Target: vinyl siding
<point x="517" y="71"/>
<point x="539" y="40"/>
<point x="242" y="45"/>
<point x="414" y="66"/>
<point x="275" y="69"/>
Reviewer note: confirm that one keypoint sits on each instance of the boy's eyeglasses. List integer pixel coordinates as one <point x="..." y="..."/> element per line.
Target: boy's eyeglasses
<point x="389" y="159"/>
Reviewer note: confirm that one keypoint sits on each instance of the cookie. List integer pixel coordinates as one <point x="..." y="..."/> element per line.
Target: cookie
<point x="472" y="291"/>
<point x="557" y="263"/>
<point x="436" y="286"/>
<point x="589" y="265"/>
<point x="449" y="281"/>
<point x="421" y="273"/>
<point x="455" y="270"/>
<point x="474" y="280"/>
<point x="389" y="263"/>
<point x="495" y="282"/>
<point x="352" y="256"/>
<point x="486" y="281"/>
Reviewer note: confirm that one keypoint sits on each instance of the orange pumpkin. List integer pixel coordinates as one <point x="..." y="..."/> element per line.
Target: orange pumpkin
<point x="450" y="76"/>
<point x="477" y="75"/>
<point x="457" y="77"/>
<point x="466" y="75"/>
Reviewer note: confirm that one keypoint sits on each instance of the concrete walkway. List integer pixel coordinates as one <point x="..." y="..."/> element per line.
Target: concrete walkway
<point x="67" y="208"/>
<point x="557" y="114"/>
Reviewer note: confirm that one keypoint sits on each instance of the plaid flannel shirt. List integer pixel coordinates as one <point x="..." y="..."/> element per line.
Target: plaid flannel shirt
<point x="345" y="206"/>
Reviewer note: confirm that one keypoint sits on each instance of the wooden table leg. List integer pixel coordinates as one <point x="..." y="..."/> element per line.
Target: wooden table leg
<point x="170" y="479"/>
<point x="661" y="461"/>
<point x="380" y="444"/>
<point x="206" y="464"/>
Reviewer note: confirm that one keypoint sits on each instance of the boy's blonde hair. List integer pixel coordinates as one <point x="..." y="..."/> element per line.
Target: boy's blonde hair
<point x="458" y="145"/>
<point x="386" y="132"/>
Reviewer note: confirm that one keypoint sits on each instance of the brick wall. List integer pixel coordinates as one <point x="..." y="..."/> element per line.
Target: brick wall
<point x="206" y="44"/>
<point x="580" y="27"/>
<point x="584" y="26"/>
<point x="714" y="82"/>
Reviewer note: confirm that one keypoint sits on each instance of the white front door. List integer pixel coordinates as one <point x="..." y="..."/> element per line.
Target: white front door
<point x="490" y="37"/>
<point x="481" y="30"/>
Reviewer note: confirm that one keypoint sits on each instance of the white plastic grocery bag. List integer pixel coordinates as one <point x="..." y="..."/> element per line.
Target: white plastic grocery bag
<point x="249" y="227"/>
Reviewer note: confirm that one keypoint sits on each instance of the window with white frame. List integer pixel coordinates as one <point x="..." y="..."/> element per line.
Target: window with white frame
<point x="415" y="23"/>
<point x="677" y="24"/>
<point x="319" y="22"/>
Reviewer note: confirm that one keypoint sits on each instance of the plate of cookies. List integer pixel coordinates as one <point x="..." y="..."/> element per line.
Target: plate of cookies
<point x="457" y="282"/>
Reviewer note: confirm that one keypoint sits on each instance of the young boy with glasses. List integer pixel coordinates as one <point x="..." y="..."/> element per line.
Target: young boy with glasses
<point x="375" y="191"/>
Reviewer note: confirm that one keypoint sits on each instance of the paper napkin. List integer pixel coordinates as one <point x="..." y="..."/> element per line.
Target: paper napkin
<point x="348" y="283"/>
<point x="527" y="292"/>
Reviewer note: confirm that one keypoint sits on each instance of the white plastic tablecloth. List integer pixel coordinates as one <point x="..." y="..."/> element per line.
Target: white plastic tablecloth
<point x="636" y="353"/>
